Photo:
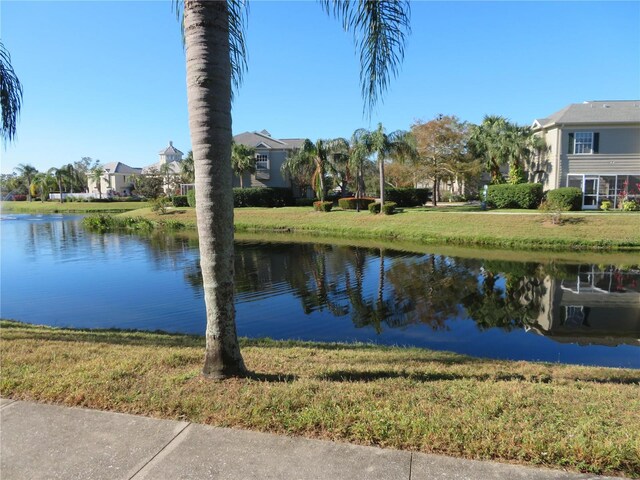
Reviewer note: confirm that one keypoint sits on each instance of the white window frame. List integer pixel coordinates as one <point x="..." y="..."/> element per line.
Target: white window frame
<point x="262" y="161"/>
<point x="583" y="143"/>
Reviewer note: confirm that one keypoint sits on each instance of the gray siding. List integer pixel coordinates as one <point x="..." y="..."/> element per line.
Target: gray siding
<point x="276" y="159"/>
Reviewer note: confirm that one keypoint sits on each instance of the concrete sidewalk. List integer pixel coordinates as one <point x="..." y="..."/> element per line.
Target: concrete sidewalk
<point x="50" y="442"/>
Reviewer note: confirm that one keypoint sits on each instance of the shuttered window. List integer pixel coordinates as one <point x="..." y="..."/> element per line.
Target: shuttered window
<point x="581" y="143"/>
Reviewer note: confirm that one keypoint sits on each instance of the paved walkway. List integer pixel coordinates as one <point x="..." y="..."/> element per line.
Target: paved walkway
<point x="50" y="442"/>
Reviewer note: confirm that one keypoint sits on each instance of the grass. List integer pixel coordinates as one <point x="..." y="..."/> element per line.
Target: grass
<point x="578" y="418"/>
<point x="70" y="207"/>
<point x="527" y="230"/>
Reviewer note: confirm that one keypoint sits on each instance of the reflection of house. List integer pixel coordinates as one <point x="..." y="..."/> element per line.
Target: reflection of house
<point x="592" y="309"/>
<point x="270" y="155"/>
<point x="116" y="180"/>
<point x="594" y="146"/>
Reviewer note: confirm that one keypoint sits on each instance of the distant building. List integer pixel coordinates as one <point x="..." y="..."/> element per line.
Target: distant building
<point x="594" y="146"/>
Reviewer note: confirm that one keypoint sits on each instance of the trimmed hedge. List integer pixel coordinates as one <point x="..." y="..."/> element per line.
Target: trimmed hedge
<point x="569" y="197"/>
<point x="388" y="209"/>
<point x="322" y="206"/>
<point x="262" y="197"/>
<point x="191" y="197"/>
<point x="521" y="195"/>
<point x="351" y="203"/>
<point x="407" y="197"/>
<point x="180" y="201"/>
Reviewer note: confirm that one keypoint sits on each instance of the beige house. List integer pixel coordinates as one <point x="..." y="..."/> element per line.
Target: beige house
<point x="594" y="146"/>
<point x="117" y="180"/>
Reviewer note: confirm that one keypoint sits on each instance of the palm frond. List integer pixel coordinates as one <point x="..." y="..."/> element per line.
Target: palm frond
<point x="10" y="96"/>
<point x="379" y="28"/>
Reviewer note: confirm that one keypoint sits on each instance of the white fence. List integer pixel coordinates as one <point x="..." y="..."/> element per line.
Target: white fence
<point x="78" y="196"/>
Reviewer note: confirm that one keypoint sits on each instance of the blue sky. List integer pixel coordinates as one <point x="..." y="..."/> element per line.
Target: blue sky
<point x="107" y="79"/>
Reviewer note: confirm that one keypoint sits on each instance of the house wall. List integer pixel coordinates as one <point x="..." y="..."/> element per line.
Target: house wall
<point x="276" y="159"/>
<point x="116" y="182"/>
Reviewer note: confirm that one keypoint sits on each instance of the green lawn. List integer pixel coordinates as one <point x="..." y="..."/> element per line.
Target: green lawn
<point x="529" y="230"/>
<point x="70" y="207"/>
<point x="578" y="418"/>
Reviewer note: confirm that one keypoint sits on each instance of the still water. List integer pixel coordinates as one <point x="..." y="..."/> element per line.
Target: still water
<point x="54" y="272"/>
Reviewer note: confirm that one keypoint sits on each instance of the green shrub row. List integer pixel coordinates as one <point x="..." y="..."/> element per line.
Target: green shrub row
<point x="352" y="203"/>
<point x="407" y="197"/>
<point x="388" y="209"/>
<point x="255" y="197"/>
<point x="322" y="206"/>
<point x="569" y="198"/>
<point x="522" y="195"/>
<point x="180" y="201"/>
<point x="191" y="197"/>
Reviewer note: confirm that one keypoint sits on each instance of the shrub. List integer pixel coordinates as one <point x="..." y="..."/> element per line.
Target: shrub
<point x="605" y="205"/>
<point x="322" y="206"/>
<point x="407" y="197"/>
<point x="191" y="197"/>
<point x="304" y="202"/>
<point x="522" y="195"/>
<point x="160" y="205"/>
<point x="351" y="203"/>
<point x="630" y="206"/>
<point x="570" y="197"/>
<point x="262" y="197"/>
<point x="388" y="209"/>
<point x="180" y="201"/>
<point x="553" y="208"/>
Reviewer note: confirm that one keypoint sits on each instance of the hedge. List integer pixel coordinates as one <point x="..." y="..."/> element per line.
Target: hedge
<point x="180" y="201"/>
<point x="322" y="206"/>
<point x="255" y="197"/>
<point x="388" y="209"/>
<point x="191" y="197"/>
<point x="569" y="197"/>
<point x="407" y="197"/>
<point x="351" y="203"/>
<point x="521" y="195"/>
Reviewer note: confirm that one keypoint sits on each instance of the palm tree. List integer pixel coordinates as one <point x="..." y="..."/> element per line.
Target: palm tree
<point x="187" y="173"/>
<point x="216" y="58"/>
<point x="396" y="145"/>
<point x="27" y="172"/>
<point x="488" y="142"/>
<point x="10" y="96"/>
<point x="42" y="183"/>
<point x="97" y="173"/>
<point x="61" y="175"/>
<point x="243" y="160"/>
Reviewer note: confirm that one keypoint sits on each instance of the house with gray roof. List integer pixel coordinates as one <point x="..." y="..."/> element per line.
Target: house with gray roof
<point x="594" y="146"/>
<point x="270" y="155"/>
<point x="116" y="180"/>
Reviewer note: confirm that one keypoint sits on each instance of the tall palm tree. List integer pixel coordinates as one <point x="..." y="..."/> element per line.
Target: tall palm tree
<point x="216" y="59"/>
<point x="42" y="183"/>
<point x="97" y="173"/>
<point x="489" y="143"/>
<point x="61" y="175"/>
<point x="10" y="96"/>
<point x="243" y="160"/>
<point x="187" y="174"/>
<point x="27" y="172"/>
<point x="396" y="144"/>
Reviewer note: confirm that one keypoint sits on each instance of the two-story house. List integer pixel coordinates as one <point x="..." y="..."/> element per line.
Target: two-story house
<point x="594" y="146"/>
<point x="270" y="155"/>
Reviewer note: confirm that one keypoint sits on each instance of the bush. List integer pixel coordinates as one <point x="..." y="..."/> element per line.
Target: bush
<point x="522" y="195"/>
<point x="407" y="197"/>
<point x="570" y="197"/>
<point x="159" y="205"/>
<point x="322" y="206"/>
<point x="630" y="206"/>
<point x="605" y="205"/>
<point x="351" y="203"/>
<point x="262" y="197"/>
<point x="180" y="201"/>
<point x="191" y="197"/>
<point x="304" y="202"/>
<point x="388" y="209"/>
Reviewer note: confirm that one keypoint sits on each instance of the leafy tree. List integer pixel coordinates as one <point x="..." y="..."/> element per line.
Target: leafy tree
<point x="149" y="185"/>
<point x="11" y="183"/>
<point x="441" y="147"/>
<point x="10" y="96"/>
<point x="243" y="160"/>
<point x="216" y="58"/>
<point x="170" y="180"/>
<point x="396" y="145"/>
<point x="27" y="173"/>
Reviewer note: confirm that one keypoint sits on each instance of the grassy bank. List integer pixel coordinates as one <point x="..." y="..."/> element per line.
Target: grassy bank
<point x="495" y="229"/>
<point x="70" y="207"/>
<point x="562" y="416"/>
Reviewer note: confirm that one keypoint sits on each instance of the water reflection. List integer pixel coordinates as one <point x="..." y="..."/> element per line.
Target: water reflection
<point x="501" y="309"/>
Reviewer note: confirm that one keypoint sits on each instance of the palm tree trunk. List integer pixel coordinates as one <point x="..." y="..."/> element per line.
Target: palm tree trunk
<point x="241" y="182"/>
<point x="206" y="32"/>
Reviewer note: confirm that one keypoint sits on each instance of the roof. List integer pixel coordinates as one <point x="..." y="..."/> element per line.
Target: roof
<point x="174" y="167"/>
<point x="600" y="111"/>
<point x="119" y="167"/>
<point x="171" y="150"/>
<point x="264" y="140"/>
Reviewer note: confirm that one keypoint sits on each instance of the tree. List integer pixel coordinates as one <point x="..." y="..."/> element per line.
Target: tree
<point x="27" y="172"/>
<point x="441" y="147"/>
<point x="216" y="58"/>
<point x="59" y="174"/>
<point x="243" y="160"/>
<point x="10" y="96"/>
<point x="97" y="173"/>
<point x="396" y="145"/>
<point x="42" y="184"/>
<point x="187" y="174"/>
<point x="149" y="185"/>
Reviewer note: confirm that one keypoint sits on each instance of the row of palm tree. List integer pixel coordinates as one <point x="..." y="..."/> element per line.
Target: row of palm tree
<point x="67" y="178"/>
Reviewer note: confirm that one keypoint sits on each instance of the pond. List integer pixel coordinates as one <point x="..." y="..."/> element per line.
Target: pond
<point x="56" y="273"/>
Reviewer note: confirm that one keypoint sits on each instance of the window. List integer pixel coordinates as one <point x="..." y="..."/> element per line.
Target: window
<point x="581" y="143"/>
<point x="262" y="161"/>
